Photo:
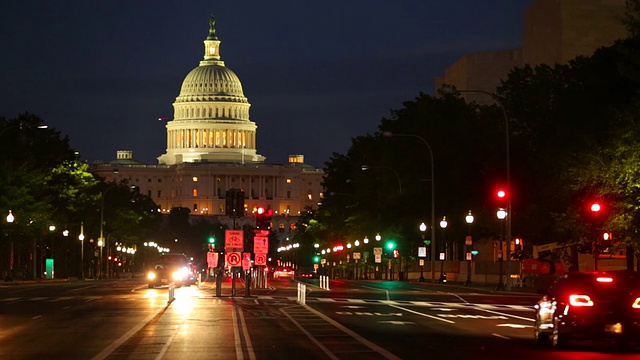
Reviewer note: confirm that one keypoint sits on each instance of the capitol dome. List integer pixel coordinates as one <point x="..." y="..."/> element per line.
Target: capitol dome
<point x="211" y="114"/>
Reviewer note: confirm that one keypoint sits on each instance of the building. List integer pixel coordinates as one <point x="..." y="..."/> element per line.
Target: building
<point x="554" y="32"/>
<point x="212" y="148"/>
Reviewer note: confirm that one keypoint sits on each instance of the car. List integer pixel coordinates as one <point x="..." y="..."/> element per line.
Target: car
<point x="283" y="272"/>
<point x="590" y="305"/>
<point x="171" y="269"/>
<point x="309" y="275"/>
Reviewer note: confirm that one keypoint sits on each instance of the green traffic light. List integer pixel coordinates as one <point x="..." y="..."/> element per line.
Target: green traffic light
<point x="212" y="240"/>
<point x="391" y="245"/>
<point x="316" y="259"/>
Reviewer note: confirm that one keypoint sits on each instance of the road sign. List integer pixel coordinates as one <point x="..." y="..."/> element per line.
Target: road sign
<point x="422" y="251"/>
<point x="260" y="245"/>
<point x="442" y="256"/>
<point x="469" y="256"/>
<point x="212" y="259"/>
<point x="233" y="239"/>
<point x="233" y="259"/>
<point x="246" y="261"/>
<point x="377" y="251"/>
<point x="356" y="256"/>
<point x="421" y="262"/>
<point x="467" y="240"/>
<point x="378" y="258"/>
<point x="261" y="259"/>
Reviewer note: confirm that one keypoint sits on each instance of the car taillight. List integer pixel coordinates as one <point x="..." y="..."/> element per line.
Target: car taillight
<point x="636" y="303"/>
<point x="580" y="300"/>
<point x="604" y="279"/>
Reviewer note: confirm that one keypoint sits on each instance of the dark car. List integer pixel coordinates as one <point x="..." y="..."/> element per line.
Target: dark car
<point x="591" y="305"/>
<point x="171" y="269"/>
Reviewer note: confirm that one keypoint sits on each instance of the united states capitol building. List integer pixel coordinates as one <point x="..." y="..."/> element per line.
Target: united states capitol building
<point x="212" y="148"/>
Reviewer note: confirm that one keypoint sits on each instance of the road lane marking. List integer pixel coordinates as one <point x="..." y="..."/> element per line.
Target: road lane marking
<point x="245" y="331"/>
<point x="501" y="336"/>
<point x="395" y="322"/>
<point x="354" y="335"/>
<point x="422" y="314"/>
<point x="114" y="345"/>
<point x="236" y="335"/>
<point x="505" y="314"/>
<point x="36" y="317"/>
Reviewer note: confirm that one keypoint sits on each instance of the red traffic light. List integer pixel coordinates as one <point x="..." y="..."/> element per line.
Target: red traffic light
<point x="607" y="236"/>
<point x="595" y="207"/>
<point x="260" y="210"/>
<point x="501" y="194"/>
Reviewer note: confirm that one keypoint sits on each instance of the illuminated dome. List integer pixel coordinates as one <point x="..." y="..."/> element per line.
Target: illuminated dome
<point x="211" y="115"/>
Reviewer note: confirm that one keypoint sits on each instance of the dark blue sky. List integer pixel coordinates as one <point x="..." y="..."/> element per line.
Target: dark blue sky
<point x="316" y="73"/>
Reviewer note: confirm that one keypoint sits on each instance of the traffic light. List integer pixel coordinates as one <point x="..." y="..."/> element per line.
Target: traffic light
<point x="391" y="245"/>
<point x="212" y="239"/>
<point x="263" y="217"/>
<point x="607" y="236"/>
<point x="595" y="208"/>
<point x="234" y="203"/>
<point x="396" y="253"/>
<point x="316" y="259"/>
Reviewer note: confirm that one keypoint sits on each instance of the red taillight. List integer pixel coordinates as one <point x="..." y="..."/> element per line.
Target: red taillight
<point x="580" y="300"/>
<point x="604" y="279"/>
<point x="636" y="303"/>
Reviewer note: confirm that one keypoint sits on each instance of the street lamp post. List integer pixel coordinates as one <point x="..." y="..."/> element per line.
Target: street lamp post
<point x="10" y="219"/>
<point x="423" y="228"/>
<point x="102" y="240"/>
<point x="81" y="238"/>
<point x="508" y="169"/>
<point x="469" y="244"/>
<point x="433" y="199"/>
<point x="443" y="225"/>
<point x="502" y="214"/>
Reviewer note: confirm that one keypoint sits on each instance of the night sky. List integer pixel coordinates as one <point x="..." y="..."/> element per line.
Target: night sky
<point x="316" y="73"/>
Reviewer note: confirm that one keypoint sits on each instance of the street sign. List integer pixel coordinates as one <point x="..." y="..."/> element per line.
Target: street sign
<point x="260" y="245"/>
<point x="233" y="239"/>
<point x="468" y="241"/>
<point x="246" y="261"/>
<point x="469" y="256"/>
<point x="378" y="258"/>
<point x="421" y="262"/>
<point x="212" y="259"/>
<point x="442" y="256"/>
<point x="356" y="255"/>
<point x="377" y="251"/>
<point x="233" y="259"/>
<point x="261" y="259"/>
<point x="422" y="251"/>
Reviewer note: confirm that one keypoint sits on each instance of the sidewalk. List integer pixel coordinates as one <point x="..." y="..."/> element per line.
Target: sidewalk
<point x="491" y="288"/>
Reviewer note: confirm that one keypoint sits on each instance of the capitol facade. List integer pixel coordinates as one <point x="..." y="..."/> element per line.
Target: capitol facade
<point x="212" y="148"/>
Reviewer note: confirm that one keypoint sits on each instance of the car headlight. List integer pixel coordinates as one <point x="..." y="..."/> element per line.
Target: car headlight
<point x="151" y="275"/>
<point x="181" y="274"/>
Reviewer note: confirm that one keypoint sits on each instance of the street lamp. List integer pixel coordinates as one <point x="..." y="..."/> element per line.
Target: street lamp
<point x="423" y="228"/>
<point x="469" y="244"/>
<point x="81" y="238"/>
<point x="508" y="166"/>
<point x="501" y="214"/>
<point x="433" y="199"/>
<point x="367" y="167"/>
<point x="10" y="219"/>
<point x="443" y="276"/>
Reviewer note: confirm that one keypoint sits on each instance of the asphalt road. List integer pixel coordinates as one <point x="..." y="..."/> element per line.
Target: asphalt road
<point x="354" y="320"/>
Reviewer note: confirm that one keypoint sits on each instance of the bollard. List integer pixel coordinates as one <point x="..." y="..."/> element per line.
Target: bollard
<point x="302" y="293"/>
<point x="171" y="293"/>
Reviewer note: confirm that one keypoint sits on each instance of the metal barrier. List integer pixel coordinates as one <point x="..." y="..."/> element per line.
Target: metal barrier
<point x="172" y="289"/>
<point x="302" y="293"/>
<point x="324" y="282"/>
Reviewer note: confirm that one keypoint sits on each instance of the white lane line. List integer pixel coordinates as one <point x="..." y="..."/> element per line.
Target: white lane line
<point x="422" y="314"/>
<point x="501" y="336"/>
<point x="311" y="337"/>
<point x="36" y="317"/>
<point x="114" y="345"/>
<point x="236" y="335"/>
<point x="245" y="331"/>
<point x="505" y="314"/>
<point x="165" y="347"/>
<point x="354" y="335"/>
